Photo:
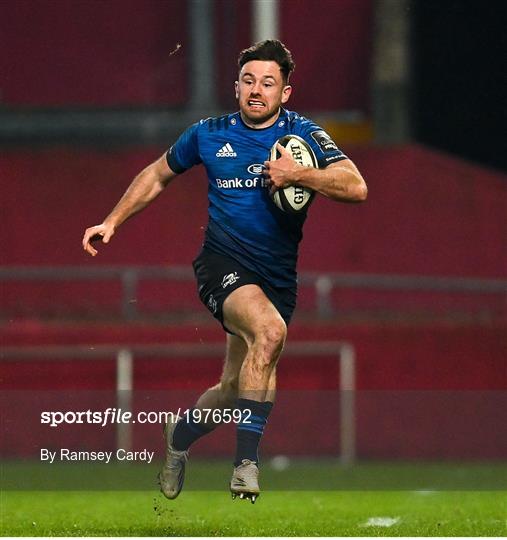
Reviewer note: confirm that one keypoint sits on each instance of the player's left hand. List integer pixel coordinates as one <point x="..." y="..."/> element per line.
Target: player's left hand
<point x="281" y="172"/>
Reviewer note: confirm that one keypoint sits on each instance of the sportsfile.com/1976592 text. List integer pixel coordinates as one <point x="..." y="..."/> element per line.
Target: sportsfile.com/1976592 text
<point x="113" y="415"/>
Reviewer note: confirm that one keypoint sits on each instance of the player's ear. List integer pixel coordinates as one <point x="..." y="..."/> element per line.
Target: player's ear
<point x="236" y="89"/>
<point x="286" y="92"/>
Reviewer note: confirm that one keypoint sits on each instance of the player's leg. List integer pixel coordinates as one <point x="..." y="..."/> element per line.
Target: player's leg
<point x="250" y="314"/>
<point x="245" y="476"/>
<point x="180" y="433"/>
<point x="271" y="393"/>
<point x="221" y="396"/>
<point x="224" y="394"/>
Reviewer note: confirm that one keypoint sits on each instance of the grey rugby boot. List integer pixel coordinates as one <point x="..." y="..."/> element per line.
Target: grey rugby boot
<point x="172" y="475"/>
<point x="245" y="481"/>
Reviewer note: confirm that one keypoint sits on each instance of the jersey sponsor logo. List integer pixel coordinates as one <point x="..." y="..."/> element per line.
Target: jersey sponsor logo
<point x="229" y="279"/>
<point x="255" y="168"/>
<point x="226" y="151"/>
<point x="324" y="141"/>
<point x="239" y="183"/>
<point x="230" y="183"/>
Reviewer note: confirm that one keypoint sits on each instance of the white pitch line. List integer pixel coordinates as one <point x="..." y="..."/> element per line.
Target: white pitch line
<point x="381" y="522"/>
<point x="425" y="491"/>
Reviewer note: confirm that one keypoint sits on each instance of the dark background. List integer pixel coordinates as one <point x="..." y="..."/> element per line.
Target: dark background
<point x="458" y="78"/>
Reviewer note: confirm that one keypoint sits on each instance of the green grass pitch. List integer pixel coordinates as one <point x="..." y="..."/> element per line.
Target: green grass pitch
<point x="358" y="509"/>
<point x="211" y="513"/>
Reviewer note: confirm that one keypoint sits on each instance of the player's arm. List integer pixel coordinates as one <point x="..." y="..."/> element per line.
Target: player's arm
<point x="145" y="187"/>
<point x="340" y="181"/>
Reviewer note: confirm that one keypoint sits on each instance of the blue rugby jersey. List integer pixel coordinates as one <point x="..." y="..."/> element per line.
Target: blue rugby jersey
<point x="244" y="223"/>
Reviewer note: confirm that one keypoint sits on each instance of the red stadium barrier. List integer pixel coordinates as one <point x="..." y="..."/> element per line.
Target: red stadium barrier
<point x="116" y="53"/>
<point x="98" y="54"/>
<point x="427" y="214"/>
<point x="421" y="393"/>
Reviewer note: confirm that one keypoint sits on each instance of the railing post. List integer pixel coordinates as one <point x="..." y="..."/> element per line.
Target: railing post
<point x="124" y="377"/>
<point x="347" y="404"/>
<point x="323" y="288"/>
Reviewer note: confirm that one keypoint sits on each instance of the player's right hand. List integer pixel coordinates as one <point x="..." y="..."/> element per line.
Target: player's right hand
<point x="93" y="234"/>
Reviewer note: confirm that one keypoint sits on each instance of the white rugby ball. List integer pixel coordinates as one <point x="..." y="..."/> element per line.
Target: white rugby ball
<point x="294" y="199"/>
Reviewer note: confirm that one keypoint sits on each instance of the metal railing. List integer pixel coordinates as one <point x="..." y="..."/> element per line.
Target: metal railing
<point x="125" y="357"/>
<point x="323" y="283"/>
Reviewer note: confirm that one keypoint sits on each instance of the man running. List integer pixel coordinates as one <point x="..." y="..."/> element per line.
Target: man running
<point x="246" y="271"/>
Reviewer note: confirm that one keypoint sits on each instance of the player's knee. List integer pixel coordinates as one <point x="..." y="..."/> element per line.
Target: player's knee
<point x="276" y="334"/>
<point x="271" y="339"/>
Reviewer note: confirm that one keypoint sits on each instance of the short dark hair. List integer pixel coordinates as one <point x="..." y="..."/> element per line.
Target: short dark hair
<point x="269" y="49"/>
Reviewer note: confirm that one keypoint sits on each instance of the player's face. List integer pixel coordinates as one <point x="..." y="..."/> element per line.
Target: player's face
<point x="260" y="90"/>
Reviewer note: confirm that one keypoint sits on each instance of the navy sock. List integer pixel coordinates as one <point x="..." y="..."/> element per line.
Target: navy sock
<point x="250" y="429"/>
<point x="187" y="431"/>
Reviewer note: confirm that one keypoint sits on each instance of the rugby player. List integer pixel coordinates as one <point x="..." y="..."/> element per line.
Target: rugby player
<point x="246" y="271"/>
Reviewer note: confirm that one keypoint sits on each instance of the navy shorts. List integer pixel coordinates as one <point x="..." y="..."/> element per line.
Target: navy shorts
<point x="218" y="275"/>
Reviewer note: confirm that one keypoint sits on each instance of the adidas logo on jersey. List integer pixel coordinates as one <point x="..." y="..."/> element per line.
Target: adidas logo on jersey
<point x="226" y="151"/>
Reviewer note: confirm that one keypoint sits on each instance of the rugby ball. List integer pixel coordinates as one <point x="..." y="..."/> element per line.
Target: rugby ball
<point x="294" y="199"/>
